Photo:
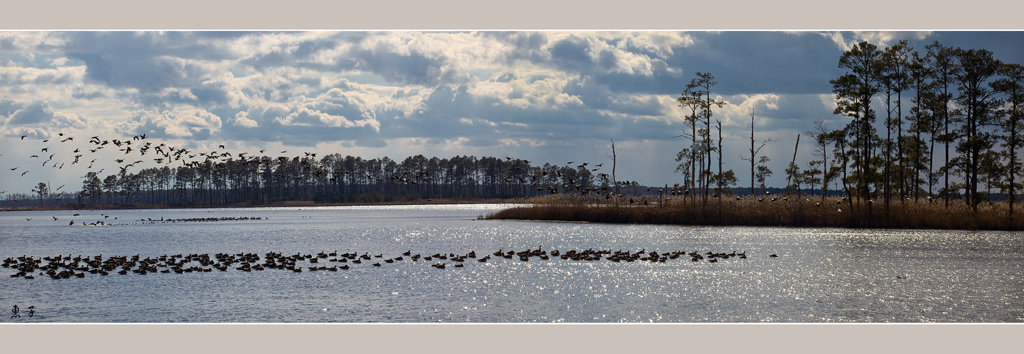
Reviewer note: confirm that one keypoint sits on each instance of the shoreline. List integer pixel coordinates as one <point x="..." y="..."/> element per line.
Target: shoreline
<point x="741" y="212"/>
<point x="442" y="201"/>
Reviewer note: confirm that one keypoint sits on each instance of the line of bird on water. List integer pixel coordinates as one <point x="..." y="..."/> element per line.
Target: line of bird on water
<point x="157" y="221"/>
<point x="65" y="267"/>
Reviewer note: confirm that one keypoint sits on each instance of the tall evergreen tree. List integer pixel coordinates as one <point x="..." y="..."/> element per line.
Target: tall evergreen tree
<point x="1011" y="84"/>
<point x="941" y="64"/>
<point x="979" y="105"/>
<point x="854" y="92"/>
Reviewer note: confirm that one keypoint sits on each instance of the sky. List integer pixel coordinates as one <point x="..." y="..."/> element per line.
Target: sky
<point x="543" y="96"/>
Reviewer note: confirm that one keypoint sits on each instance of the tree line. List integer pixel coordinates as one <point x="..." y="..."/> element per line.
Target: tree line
<point x="331" y="179"/>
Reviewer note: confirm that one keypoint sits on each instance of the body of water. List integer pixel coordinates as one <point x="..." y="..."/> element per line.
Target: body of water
<point x="819" y="275"/>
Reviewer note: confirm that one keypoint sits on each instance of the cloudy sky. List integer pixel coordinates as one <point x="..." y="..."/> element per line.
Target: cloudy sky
<point x="543" y="96"/>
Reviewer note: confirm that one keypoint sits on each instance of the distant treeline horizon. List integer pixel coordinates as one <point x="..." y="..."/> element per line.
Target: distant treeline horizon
<point x="331" y="179"/>
<point x="349" y="179"/>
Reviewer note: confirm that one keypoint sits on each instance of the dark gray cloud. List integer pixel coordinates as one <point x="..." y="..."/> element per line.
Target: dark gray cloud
<point x="7" y="44"/>
<point x="7" y="107"/>
<point x="148" y="61"/>
<point x="760" y="62"/>
<point x="404" y="69"/>
<point x="572" y="54"/>
<point x="146" y="74"/>
<point x="1004" y="45"/>
<point x="35" y="113"/>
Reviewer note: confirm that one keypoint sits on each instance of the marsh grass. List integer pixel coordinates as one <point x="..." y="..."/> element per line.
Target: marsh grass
<point x="754" y="211"/>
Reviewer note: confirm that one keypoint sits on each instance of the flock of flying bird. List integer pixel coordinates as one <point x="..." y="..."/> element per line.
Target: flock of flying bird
<point x="98" y="144"/>
<point x="66" y="267"/>
<point x="163" y="154"/>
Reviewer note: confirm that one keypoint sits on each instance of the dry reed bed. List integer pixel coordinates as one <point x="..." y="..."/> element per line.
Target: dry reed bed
<point x="801" y="212"/>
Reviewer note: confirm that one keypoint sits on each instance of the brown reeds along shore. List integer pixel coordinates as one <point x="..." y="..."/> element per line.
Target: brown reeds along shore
<point x="806" y="211"/>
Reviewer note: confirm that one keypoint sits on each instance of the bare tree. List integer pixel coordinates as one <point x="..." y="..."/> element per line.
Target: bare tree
<point x="753" y="151"/>
<point x="794" y="169"/>
<point x="614" y="163"/>
<point x="822" y="138"/>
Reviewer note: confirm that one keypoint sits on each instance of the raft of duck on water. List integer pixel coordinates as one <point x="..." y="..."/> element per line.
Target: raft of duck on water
<point x="65" y="267"/>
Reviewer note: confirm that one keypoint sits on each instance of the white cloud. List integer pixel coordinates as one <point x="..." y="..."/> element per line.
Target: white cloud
<point x="846" y="40"/>
<point x="633" y="53"/>
<point x="18" y="76"/>
<point x="528" y="87"/>
<point x="178" y="122"/>
<point x="742" y="105"/>
<point x="30" y="42"/>
<point x="307" y="117"/>
<point x="242" y="120"/>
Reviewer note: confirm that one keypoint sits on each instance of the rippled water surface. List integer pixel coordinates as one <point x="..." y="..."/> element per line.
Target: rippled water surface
<point x="820" y="275"/>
